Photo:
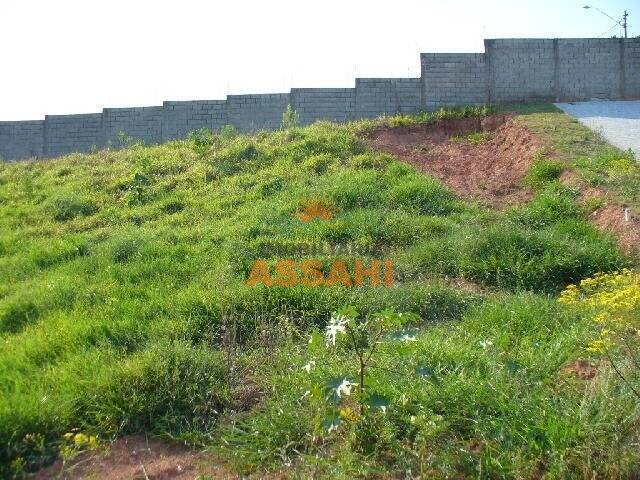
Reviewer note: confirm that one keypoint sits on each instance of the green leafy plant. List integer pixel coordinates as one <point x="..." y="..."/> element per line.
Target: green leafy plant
<point x="124" y="140"/>
<point x="228" y="132"/>
<point x="202" y="140"/>
<point x="543" y="171"/>
<point x="290" y="118"/>
<point x="361" y="338"/>
<point x="66" y="208"/>
<point x="141" y="176"/>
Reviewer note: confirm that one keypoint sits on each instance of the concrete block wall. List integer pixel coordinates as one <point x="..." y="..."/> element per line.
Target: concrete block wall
<point x="72" y="133"/>
<point x="387" y="96"/>
<point x="510" y="70"/>
<point x="631" y="67"/>
<point x="249" y="113"/>
<point x="520" y="70"/>
<point x="333" y="104"/>
<point x="21" y="139"/>
<point x="589" y="68"/>
<point x="180" y="118"/>
<point x="453" y="79"/>
<point x="140" y="123"/>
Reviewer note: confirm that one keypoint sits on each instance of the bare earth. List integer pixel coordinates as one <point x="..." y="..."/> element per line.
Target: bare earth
<point x="138" y="458"/>
<point x="489" y="172"/>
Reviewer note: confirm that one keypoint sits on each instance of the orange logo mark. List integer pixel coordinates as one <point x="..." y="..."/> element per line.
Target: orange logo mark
<point x="315" y="209"/>
<point x="289" y="273"/>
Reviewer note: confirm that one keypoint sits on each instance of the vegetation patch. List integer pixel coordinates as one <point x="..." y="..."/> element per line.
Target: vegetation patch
<point x="126" y="309"/>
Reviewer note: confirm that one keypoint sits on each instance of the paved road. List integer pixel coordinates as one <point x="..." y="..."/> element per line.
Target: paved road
<point x="617" y="121"/>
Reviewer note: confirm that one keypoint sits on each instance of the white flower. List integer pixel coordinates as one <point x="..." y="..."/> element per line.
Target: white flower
<point x="307" y="368"/>
<point x="332" y="427"/>
<point x="344" y="387"/>
<point x="486" y="344"/>
<point x="336" y="325"/>
<point x="406" y="337"/>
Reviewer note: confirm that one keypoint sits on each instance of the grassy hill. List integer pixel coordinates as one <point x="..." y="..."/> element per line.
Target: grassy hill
<point x="124" y="308"/>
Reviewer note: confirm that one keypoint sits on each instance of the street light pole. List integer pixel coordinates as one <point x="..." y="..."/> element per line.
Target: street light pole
<point x="622" y="23"/>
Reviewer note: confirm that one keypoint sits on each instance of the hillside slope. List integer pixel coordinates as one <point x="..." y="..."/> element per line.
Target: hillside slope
<point x="125" y="309"/>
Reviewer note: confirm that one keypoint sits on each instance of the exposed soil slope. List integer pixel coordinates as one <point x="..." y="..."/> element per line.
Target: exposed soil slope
<point x="490" y="172"/>
<point x="610" y="216"/>
<point x="136" y="457"/>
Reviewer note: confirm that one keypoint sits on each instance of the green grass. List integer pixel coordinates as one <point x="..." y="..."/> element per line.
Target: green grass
<point x="494" y="403"/>
<point x="124" y="309"/>
<point x="475" y="138"/>
<point x="599" y="163"/>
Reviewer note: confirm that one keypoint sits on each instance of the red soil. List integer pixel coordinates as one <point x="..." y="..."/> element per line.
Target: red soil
<point x="610" y="216"/>
<point x="582" y="369"/>
<point x="490" y="172"/>
<point x="137" y="457"/>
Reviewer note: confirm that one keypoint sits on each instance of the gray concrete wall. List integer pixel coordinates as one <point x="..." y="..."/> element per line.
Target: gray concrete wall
<point x="453" y="79"/>
<point x="140" y="123"/>
<point x="180" y="118"/>
<point x="520" y="70"/>
<point x="589" y="68"/>
<point x="631" y="60"/>
<point x="21" y="139"/>
<point x="72" y="133"/>
<point x="333" y="104"/>
<point x="510" y="70"/>
<point x="524" y="70"/>
<point x="387" y="96"/>
<point x="249" y="113"/>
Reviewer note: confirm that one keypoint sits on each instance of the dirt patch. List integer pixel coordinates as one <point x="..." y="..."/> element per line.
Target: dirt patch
<point x="582" y="369"/>
<point x="490" y="171"/>
<point x="137" y="457"/>
<point x="610" y="216"/>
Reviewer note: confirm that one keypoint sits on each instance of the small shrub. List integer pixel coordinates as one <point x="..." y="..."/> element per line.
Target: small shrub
<point x="228" y="132"/>
<point x="542" y="261"/>
<point x="546" y="208"/>
<point x="612" y="301"/>
<point x="290" y="118"/>
<point x="355" y="188"/>
<point x="241" y="154"/>
<point x="422" y="195"/>
<point x="202" y="140"/>
<point x="372" y="160"/>
<point x="543" y="171"/>
<point x="167" y="388"/>
<point x="16" y="313"/>
<point x="68" y="208"/>
<point x="318" y="163"/>
<point x="173" y="207"/>
<point x="125" y="249"/>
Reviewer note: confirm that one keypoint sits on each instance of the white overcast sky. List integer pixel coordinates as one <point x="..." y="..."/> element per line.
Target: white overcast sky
<point x="68" y="56"/>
